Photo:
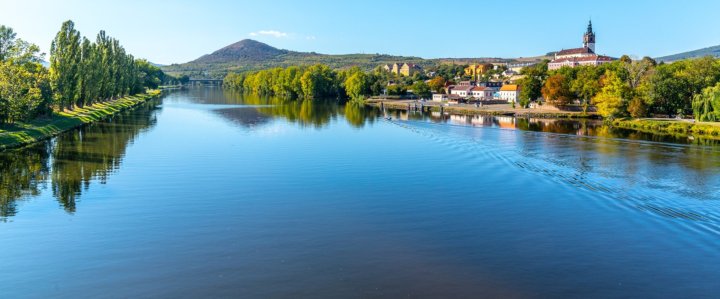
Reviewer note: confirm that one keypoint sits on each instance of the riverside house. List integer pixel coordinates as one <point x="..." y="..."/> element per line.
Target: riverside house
<point x="482" y="93"/>
<point x="510" y="93"/>
<point x="462" y="90"/>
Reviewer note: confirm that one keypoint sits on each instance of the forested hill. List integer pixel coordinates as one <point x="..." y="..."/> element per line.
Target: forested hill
<point x="711" y="51"/>
<point x="253" y="55"/>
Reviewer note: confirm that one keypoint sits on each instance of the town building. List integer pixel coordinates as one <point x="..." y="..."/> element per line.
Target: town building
<point x="403" y="69"/>
<point x="476" y="70"/>
<point x="439" y="97"/>
<point x="510" y="93"/>
<point x="482" y="93"/>
<point x="580" y="56"/>
<point x="463" y="91"/>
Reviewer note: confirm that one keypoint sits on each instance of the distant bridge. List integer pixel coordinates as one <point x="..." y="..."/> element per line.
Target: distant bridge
<point x="205" y="81"/>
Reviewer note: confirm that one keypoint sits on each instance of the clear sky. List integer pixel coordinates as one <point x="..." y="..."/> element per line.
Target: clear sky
<point x="166" y="31"/>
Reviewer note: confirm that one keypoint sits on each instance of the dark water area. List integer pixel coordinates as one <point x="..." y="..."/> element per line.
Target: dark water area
<point x="208" y="193"/>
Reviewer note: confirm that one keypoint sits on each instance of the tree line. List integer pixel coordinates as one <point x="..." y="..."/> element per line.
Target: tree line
<point x="631" y="88"/>
<point x="81" y="73"/>
<point x="320" y="81"/>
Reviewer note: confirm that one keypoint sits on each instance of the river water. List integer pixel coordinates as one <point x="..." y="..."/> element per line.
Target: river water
<point x="206" y="193"/>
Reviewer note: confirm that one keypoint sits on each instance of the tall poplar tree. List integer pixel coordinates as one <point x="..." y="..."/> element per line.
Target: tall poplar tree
<point x="65" y="65"/>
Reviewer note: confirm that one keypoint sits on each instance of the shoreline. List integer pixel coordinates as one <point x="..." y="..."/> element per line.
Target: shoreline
<point x="487" y="110"/>
<point x="23" y="134"/>
<point x="684" y="128"/>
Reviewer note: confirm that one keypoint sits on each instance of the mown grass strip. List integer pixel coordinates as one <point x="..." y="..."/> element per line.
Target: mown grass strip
<point x="24" y="133"/>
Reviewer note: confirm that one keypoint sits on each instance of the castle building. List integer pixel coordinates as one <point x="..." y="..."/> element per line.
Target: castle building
<point x="580" y="56"/>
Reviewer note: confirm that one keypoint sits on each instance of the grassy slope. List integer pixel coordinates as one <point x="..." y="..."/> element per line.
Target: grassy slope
<point x="671" y="127"/>
<point x="20" y="134"/>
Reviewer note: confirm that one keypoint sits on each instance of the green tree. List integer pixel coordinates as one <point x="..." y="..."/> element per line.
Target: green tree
<point x="7" y="41"/>
<point x="318" y="81"/>
<point x="706" y="105"/>
<point x="65" y="64"/>
<point x="611" y="101"/>
<point x="357" y="85"/>
<point x="586" y="84"/>
<point x="421" y="89"/>
<point x="532" y="83"/>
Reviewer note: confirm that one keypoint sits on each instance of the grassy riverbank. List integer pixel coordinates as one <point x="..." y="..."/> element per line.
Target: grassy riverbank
<point x="24" y="133"/>
<point x="671" y="127"/>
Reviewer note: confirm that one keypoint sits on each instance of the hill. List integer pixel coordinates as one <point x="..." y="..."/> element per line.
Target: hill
<point x="247" y="55"/>
<point x="253" y="55"/>
<point x="710" y="51"/>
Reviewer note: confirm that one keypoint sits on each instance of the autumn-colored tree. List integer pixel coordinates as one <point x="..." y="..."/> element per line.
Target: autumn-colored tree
<point x="437" y="84"/>
<point x="556" y="91"/>
<point x="637" y="108"/>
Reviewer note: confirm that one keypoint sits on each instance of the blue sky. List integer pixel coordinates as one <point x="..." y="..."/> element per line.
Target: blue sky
<point x="178" y="31"/>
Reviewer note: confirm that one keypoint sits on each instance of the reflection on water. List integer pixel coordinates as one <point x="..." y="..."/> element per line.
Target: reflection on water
<point x="22" y="174"/>
<point x="94" y="152"/>
<point x="217" y="194"/>
<point x="78" y="157"/>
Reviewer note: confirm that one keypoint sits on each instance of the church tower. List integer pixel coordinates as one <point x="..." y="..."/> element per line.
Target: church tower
<point x="589" y="38"/>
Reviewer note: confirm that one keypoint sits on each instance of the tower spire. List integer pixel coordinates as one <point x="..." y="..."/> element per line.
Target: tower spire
<point x="589" y="38"/>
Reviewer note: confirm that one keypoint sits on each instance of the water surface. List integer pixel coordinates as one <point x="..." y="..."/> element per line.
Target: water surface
<point x="207" y="193"/>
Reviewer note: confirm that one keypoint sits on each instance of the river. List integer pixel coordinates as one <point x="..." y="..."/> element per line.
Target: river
<point x="207" y="193"/>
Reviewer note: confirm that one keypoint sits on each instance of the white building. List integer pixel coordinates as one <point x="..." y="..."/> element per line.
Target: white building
<point x="439" y="97"/>
<point x="482" y="93"/>
<point x="510" y="93"/>
<point x="463" y="91"/>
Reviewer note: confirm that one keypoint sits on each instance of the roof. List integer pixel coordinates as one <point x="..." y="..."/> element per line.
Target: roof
<point x="583" y="59"/>
<point x="583" y="50"/>
<point x="509" y="87"/>
<point x="465" y="88"/>
<point x="480" y="88"/>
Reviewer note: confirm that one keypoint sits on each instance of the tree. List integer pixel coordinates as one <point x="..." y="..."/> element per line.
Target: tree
<point x="532" y="83"/>
<point x="557" y="91"/>
<point x="24" y="91"/>
<point x="421" y="89"/>
<point x="637" y="108"/>
<point x="318" y="81"/>
<point x="611" y="100"/>
<point x="7" y="41"/>
<point x="64" y="64"/>
<point x="397" y="90"/>
<point x="706" y="105"/>
<point x="356" y="86"/>
<point x="437" y="84"/>
<point x="586" y="84"/>
<point x="150" y="76"/>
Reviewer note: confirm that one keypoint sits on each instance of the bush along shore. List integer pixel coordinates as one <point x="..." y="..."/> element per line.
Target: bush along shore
<point x="20" y="134"/>
<point x="684" y="128"/>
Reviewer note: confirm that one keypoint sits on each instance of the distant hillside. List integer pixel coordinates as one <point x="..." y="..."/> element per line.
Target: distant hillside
<point x="253" y="55"/>
<point x="711" y="51"/>
<point x="249" y="54"/>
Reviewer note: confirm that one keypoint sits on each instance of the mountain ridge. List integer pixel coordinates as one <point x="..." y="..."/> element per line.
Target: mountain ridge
<point x="709" y="51"/>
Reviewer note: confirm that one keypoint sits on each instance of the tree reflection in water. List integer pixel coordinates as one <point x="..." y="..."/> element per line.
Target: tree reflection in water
<point x="71" y="161"/>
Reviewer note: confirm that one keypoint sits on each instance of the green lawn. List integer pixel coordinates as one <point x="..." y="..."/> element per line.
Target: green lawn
<point x="23" y="133"/>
